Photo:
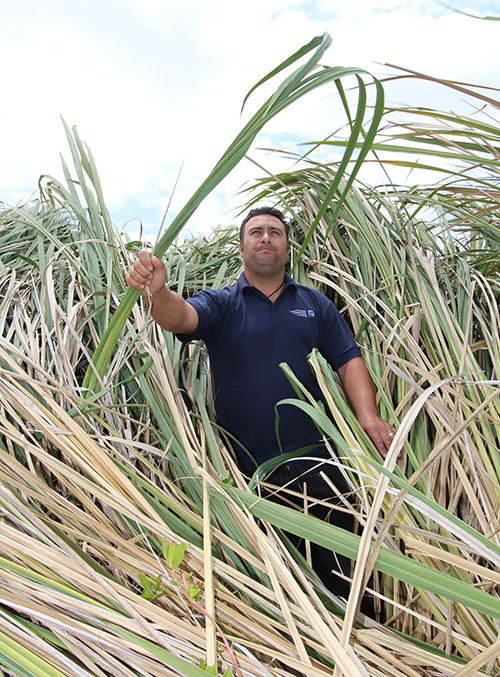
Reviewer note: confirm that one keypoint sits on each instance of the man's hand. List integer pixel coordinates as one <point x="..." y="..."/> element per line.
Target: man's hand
<point x="379" y="431"/>
<point x="147" y="272"/>
<point x="167" y="308"/>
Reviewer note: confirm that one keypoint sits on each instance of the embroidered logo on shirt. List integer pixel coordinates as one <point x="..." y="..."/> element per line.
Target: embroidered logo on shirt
<point x="299" y="312"/>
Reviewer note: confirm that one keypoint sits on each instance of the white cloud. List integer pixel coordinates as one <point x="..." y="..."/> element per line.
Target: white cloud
<point x="153" y="84"/>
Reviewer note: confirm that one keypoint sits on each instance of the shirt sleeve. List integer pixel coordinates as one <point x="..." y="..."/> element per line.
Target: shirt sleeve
<point x="337" y="340"/>
<point x="208" y="305"/>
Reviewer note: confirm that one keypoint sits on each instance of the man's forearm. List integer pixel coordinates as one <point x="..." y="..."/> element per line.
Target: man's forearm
<point x="171" y="311"/>
<point x="358" y="387"/>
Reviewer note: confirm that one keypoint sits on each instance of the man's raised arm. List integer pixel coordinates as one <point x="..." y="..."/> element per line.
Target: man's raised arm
<point x="168" y="309"/>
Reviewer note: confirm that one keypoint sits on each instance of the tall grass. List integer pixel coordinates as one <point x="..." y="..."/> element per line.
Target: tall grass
<point x="131" y="544"/>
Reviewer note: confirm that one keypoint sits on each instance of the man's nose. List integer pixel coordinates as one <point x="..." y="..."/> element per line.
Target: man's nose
<point x="266" y="236"/>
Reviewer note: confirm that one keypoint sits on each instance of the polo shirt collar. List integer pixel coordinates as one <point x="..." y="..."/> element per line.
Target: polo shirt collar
<point x="243" y="283"/>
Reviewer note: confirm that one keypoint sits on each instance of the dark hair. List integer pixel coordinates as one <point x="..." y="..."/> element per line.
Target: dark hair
<point x="259" y="211"/>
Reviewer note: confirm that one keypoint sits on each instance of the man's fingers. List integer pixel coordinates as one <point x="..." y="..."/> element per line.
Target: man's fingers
<point x="143" y="265"/>
<point x="141" y="272"/>
<point x="134" y="281"/>
<point x="144" y="259"/>
<point x="389" y="437"/>
<point x="382" y="434"/>
<point x="138" y="276"/>
<point x="147" y="271"/>
<point x="159" y="266"/>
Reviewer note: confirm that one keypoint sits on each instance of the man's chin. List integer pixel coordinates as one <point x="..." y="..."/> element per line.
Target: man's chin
<point x="266" y="258"/>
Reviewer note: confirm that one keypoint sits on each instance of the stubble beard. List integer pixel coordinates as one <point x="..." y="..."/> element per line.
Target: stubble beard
<point x="264" y="261"/>
<point x="268" y="264"/>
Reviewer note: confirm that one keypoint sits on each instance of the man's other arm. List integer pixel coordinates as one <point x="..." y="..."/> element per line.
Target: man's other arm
<point x="358" y="386"/>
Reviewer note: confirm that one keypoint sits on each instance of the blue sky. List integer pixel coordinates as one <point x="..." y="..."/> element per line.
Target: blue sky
<point x="153" y="84"/>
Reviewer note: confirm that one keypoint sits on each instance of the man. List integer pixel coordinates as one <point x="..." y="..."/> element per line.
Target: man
<point x="250" y="328"/>
<point x="253" y="326"/>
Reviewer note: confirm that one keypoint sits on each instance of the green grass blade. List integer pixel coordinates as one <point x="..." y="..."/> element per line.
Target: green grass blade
<point x="346" y="543"/>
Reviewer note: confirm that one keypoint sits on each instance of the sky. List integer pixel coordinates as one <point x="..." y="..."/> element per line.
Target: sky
<point x="155" y="87"/>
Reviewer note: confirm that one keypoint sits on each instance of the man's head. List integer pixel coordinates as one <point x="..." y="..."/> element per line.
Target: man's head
<point x="264" y="243"/>
<point x="262" y="211"/>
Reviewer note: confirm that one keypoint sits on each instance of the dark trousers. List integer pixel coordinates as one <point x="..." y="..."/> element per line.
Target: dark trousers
<point x="293" y="475"/>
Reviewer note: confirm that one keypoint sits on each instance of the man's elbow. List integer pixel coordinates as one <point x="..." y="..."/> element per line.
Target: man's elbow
<point x="356" y="362"/>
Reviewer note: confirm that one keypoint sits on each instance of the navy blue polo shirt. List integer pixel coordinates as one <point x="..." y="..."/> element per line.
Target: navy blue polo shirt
<point x="247" y="337"/>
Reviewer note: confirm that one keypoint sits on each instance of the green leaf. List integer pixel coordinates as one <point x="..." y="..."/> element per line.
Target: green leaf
<point x="23" y="661"/>
<point x="150" y="591"/>
<point x="388" y="561"/>
<point x="193" y="592"/>
<point x="173" y="553"/>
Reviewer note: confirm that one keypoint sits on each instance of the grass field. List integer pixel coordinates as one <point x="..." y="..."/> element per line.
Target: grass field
<point x="130" y="544"/>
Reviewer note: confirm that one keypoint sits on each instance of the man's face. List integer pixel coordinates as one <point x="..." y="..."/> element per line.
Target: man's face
<point x="264" y="248"/>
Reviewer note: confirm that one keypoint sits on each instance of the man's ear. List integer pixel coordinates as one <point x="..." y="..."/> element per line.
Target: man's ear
<point x="240" y="247"/>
